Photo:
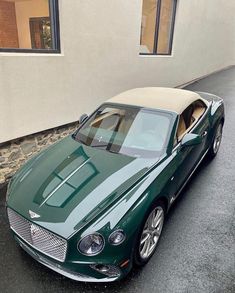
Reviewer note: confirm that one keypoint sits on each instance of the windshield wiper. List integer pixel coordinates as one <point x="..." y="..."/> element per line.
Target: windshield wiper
<point x="98" y="145"/>
<point x="103" y="145"/>
<point x="78" y="140"/>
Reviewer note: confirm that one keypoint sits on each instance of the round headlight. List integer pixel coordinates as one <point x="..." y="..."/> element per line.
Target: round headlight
<point x="91" y="244"/>
<point x="117" y="237"/>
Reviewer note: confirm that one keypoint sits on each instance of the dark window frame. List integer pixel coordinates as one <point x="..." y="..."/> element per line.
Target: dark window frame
<point x="157" y="26"/>
<point x="55" y="34"/>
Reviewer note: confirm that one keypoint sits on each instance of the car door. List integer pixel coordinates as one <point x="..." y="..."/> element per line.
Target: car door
<point x="185" y="159"/>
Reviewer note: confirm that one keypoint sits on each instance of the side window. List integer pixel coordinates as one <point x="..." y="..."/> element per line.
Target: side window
<point x="188" y="118"/>
<point x="198" y="110"/>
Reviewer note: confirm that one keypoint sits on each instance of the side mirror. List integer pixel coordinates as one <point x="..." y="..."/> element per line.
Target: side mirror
<point x="191" y="139"/>
<point x="82" y="118"/>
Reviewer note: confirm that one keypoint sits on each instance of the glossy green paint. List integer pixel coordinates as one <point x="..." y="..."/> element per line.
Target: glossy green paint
<point x="70" y="183"/>
<point x="191" y="139"/>
<point x="79" y="190"/>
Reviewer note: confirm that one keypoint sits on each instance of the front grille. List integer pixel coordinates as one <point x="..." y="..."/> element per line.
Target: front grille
<point x="39" y="238"/>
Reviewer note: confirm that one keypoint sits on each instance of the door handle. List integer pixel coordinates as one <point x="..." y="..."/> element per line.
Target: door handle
<point x="204" y="134"/>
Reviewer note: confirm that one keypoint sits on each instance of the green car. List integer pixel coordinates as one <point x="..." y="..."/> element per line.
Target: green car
<point x="93" y="205"/>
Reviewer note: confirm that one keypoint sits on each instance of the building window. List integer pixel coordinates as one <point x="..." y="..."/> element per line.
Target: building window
<point x="157" y="27"/>
<point x="29" y="26"/>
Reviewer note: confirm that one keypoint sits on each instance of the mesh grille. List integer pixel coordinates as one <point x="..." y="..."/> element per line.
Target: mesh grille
<point x="41" y="239"/>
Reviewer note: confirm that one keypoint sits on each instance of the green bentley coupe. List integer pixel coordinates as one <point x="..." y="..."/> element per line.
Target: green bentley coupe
<point x="93" y="205"/>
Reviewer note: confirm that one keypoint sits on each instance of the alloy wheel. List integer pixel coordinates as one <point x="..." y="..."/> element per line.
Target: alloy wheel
<point x="217" y="139"/>
<point x="151" y="232"/>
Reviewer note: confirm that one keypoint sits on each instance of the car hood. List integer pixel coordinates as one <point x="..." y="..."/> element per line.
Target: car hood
<point x="69" y="184"/>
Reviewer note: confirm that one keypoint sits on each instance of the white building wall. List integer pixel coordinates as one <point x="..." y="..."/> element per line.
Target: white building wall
<point x="100" y="58"/>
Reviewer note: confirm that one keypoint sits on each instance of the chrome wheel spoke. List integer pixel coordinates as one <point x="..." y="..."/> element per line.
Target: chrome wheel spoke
<point x="146" y="247"/>
<point x="151" y="246"/>
<point x="156" y="233"/>
<point x="158" y="219"/>
<point x="151" y="220"/>
<point x="146" y="237"/>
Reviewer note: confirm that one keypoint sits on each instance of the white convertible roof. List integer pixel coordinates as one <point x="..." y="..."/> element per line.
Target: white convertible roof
<point x="171" y="99"/>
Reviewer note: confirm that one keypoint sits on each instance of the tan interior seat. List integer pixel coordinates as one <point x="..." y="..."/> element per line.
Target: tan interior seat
<point x="189" y="118"/>
<point x="181" y="128"/>
<point x="198" y="111"/>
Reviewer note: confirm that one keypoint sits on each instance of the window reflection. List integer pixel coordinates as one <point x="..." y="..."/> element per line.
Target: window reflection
<point x="26" y="24"/>
<point x="157" y="26"/>
<point x="131" y="131"/>
<point x="70" y="187"/>
<point x="148" y="26"/>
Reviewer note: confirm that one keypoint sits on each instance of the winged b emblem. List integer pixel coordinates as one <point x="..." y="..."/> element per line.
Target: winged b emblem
<point x="33" y="215"/>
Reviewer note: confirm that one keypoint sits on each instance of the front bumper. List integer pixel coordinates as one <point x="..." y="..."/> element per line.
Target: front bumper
<point x="63" y="268"/>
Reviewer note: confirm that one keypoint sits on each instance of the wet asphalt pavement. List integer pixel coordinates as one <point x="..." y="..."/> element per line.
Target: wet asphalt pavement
<point x="197" y="250"/>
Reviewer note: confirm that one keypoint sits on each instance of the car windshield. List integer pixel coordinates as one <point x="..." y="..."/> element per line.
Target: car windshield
<point x="132" y="131"/>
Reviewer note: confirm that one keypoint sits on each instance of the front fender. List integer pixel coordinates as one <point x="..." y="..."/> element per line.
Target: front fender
<point x="127" y="214"/>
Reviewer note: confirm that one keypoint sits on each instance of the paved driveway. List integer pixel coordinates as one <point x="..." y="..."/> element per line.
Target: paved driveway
<point x="196" y="252"/>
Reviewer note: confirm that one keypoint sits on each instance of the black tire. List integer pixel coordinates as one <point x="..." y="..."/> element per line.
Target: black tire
<point x="138" y="258"/>
<point x="215" y="143"/>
